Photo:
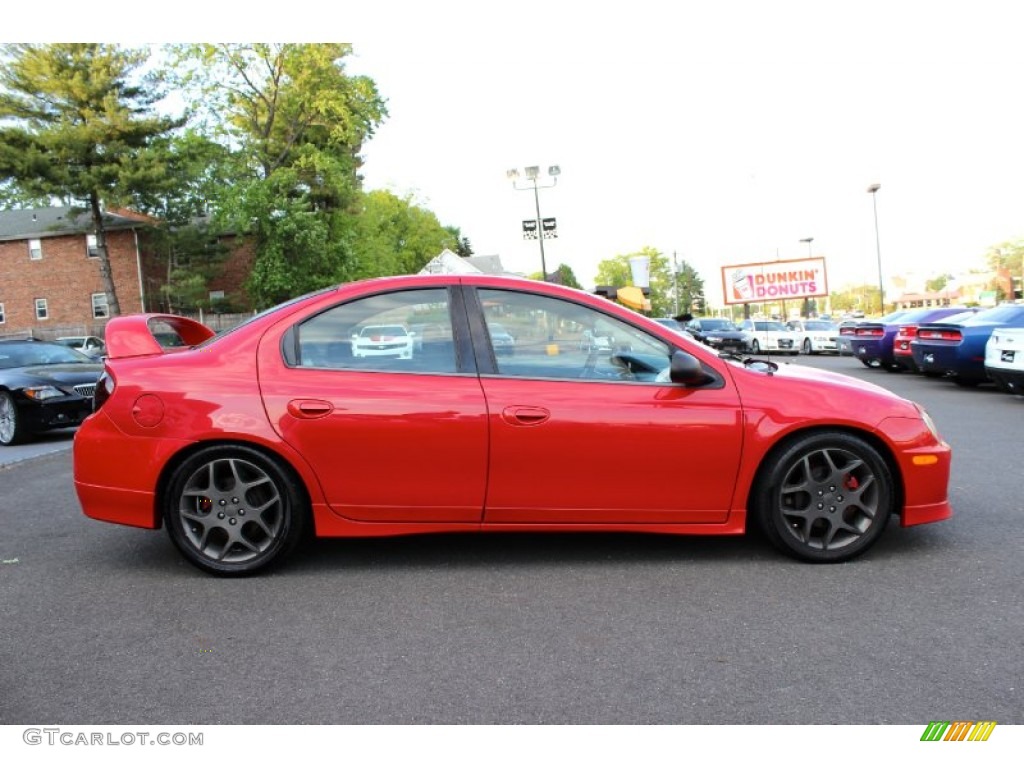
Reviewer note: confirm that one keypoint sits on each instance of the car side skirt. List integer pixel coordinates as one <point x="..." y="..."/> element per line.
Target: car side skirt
<point x="329" y="524"/>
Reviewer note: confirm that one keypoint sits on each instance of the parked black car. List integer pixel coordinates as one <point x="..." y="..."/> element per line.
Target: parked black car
<point x="720" y="333"/>
<point x="43" y="386"/>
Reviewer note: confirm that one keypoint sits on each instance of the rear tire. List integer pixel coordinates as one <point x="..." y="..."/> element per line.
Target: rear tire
<point x="233" y="510"/>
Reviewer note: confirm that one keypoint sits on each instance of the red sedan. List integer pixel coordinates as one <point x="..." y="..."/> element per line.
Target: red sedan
<point x="240" y="443"/>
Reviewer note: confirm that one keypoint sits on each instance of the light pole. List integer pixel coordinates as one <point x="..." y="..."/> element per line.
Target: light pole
<point x="810" y="254"/>
<point x="532" y="172"/>
<point x="675" y="283"/>
<point x="873" y="191"/>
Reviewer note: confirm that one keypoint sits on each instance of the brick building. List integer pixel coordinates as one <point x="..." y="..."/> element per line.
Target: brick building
<point x="50" y="283"/>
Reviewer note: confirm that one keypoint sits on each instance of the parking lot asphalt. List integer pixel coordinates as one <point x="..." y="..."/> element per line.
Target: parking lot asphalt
<point x="105" y="624"/>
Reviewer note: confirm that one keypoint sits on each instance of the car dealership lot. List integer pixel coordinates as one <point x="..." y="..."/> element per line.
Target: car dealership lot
<point x="105" y="624"/>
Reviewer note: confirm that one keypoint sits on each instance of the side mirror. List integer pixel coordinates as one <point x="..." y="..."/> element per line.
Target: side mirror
<point x="686" y="369"/>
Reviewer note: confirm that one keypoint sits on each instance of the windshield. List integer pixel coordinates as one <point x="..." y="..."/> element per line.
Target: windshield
<point x="1009" y="313"/>
<point x="18" y="354"/>
<point x="713" y="324"/>
<point x="383" y="330"/>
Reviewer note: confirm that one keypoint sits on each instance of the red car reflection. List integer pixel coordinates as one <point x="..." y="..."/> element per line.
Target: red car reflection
<point x="240" y="443"/>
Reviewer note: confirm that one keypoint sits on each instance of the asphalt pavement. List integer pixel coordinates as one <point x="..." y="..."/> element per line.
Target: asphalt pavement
<point x="107" y="624"/>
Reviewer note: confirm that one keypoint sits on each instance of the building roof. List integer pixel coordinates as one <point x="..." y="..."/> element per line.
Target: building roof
<point x="449" y="263"/>
<point x="490" y="265"/>
<point x="28" y="223"/>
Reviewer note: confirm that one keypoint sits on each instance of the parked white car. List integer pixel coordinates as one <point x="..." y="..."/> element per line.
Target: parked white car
<point x="92" y="346"/>
<point x="815" y="335"/>
<point x="770" y="336"/>
<point x="383" y="341"/>
<point x="1004" y="359"/>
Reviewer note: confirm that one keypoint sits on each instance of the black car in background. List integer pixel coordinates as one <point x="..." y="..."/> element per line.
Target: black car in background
<point x="720" y="333"/>
<point x="43" y="386"/>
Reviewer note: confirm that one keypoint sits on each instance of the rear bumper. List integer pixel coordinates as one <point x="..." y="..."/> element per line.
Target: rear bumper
<point x="116" y="475"/>
<point x="1005" y="378"/>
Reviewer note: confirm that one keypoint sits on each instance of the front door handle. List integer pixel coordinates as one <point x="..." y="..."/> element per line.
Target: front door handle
<point x="525" y="415"/>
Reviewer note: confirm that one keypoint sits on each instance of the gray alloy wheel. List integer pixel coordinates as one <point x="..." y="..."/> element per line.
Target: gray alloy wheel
<point x="825" y="497"/>
<point x="11" y="430"/>
<point x="755" y="347"/>
<point x="808" y="350"/>
<point x="232" y="510"/>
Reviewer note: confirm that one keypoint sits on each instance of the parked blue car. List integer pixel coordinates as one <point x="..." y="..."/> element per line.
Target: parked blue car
<point x="957" y="349"/>
<point x="896" y="342"/>
<point x="871" y="340"/>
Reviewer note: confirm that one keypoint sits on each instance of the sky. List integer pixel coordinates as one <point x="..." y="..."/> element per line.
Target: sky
<point x="722" y="132"/>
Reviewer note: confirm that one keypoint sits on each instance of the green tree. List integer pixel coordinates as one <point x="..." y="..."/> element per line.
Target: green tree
<point x="463" y="247"/>
<point x="393" y="236"/>
<point x="616" y="271"/>
<point x="295" y="122"/>
<point x="856" y="297"/>
<point x="79" y="124"/>
<point x="1008" y="255"/>
<point x="936" y="284"/>
<point x="563" y="275"/>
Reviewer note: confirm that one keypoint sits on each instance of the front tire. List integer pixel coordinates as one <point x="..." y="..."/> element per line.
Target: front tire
<point x="755" y="347"/>
<point x="824" y="498"/>
<point x="12" y="426"/>
<point x="233" y="510"/>
<point x="808" y="349"/>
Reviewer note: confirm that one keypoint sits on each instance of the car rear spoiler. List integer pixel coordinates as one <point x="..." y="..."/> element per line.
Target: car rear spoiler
<point x="135" y="335"/>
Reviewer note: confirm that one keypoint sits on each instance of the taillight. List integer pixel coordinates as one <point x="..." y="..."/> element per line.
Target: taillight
<point x="104" y="389"/>
<point x="907" y="330"/>
<point x="944" y="334"/>
<point x="871" y="333"/>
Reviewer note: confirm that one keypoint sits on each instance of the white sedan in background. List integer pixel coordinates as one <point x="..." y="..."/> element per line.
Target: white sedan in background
<point x="815" y="335"/>
<point x="770" y="336"/>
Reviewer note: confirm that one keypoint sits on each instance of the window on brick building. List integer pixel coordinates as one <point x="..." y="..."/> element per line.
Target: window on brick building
<point x="42" y="311"/>
<point x="91" y="249"/>
<point x="35" y="249"/>
<point x="3" y="317"/>
<point x="100" y="308"/>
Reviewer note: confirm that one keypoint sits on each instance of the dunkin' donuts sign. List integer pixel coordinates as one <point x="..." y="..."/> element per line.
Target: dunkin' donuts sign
<point x="774" y="281"/>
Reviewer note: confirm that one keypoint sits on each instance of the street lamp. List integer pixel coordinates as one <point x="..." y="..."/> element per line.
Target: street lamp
<point x="532" y="172"/>
<point x="873" y="191"/>
<point x="810" y="254"/>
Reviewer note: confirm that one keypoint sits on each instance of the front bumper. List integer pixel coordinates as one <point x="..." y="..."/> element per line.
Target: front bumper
<point x="54" y="413"/>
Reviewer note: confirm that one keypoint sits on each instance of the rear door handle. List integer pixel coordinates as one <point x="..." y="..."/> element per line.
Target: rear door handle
<point x="309" y="409"/>
<point x="525" y="415"/>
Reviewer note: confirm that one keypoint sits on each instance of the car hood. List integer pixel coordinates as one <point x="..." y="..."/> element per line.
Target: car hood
<point x="827" y="394"/>
<point x="57" y="375"/>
